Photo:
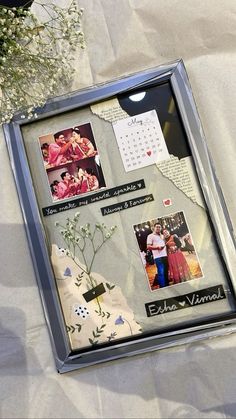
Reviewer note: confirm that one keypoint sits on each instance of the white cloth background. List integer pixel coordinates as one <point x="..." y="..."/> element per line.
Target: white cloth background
<point x="197" y="380"/>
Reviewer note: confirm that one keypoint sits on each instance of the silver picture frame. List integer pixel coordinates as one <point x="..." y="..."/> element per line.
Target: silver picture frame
<point x="66" y="360"/>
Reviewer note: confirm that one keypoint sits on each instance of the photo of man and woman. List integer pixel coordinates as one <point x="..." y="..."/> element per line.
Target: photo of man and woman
<point x="72" y="162"/>
<point x="167" y="251"/>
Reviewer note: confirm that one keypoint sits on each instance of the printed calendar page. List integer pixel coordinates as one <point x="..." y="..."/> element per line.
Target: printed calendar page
<point x="140" y="140"/>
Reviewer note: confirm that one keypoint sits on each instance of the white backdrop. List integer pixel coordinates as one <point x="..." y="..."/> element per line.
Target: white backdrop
<point x="197" y="380"/>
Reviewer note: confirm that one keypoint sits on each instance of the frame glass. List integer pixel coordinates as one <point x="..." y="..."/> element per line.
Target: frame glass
<point x="130" y="238"/>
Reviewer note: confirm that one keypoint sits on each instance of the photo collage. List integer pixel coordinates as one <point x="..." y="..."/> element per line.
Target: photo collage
<point x="72" y="162"/>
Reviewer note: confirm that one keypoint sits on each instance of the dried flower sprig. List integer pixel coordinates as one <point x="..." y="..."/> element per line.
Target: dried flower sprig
<point x="36" y="55"/>
<point x="79" y="238"/>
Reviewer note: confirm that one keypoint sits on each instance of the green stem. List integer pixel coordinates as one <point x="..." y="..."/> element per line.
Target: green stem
<point x="128" y="325"/>
<point x="82" y="269"/>
<point x="100" y="309"/>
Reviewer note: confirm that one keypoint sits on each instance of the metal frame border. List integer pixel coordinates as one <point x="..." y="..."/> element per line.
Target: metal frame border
<point x="66" y="360"/>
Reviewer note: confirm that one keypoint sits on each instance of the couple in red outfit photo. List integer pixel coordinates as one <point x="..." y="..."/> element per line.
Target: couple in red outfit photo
<point x="167" y="251"/>
<point x="70" y="185"/>
<point x="67" y="146"/>
<point x="72" y="162"/>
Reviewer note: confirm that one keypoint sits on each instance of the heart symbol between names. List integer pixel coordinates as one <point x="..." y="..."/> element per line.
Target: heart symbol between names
<point x="182" y="303"/>
<point x="149" y="152"/>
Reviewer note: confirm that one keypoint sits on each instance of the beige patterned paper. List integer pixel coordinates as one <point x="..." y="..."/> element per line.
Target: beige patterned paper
<point x="104" y="319"/>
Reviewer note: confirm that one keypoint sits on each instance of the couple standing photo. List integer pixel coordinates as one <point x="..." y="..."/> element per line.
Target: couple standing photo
<point x="167" y="251"/>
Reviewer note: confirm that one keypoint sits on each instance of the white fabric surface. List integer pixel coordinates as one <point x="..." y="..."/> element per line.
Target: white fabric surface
<point x="197" y="380"/>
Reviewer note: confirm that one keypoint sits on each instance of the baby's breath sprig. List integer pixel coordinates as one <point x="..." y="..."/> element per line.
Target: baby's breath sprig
<point x="36" y="55"/>
<point x="78" y="237"/>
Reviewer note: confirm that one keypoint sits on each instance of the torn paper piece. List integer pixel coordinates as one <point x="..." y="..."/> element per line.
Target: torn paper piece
<point x="110" y="110"/>
<point x="181" y="173"/>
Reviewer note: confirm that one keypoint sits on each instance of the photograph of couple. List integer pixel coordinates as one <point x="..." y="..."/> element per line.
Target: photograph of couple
<point x="167" y="251"/>
<point x="75" y="179"/>
<point x="68" y="145"/>
<point x="72" y="162"/>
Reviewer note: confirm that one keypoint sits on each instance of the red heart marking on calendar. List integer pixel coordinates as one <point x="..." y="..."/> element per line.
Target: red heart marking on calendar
<point x="149" y="153"/>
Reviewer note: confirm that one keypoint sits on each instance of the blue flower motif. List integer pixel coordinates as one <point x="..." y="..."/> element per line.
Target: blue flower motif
<point x="67" y="272"/>
<point x="119" y="320"/>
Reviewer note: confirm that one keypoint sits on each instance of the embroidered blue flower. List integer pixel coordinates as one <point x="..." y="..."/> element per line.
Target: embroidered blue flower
<point x="67" y="272"/>
<point x="119" y="320"/>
